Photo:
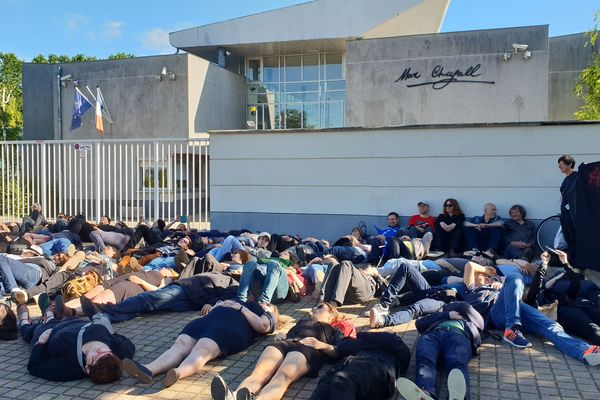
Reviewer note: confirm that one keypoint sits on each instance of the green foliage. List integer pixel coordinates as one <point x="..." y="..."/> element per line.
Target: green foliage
<point x="587" y="87"/>
<point x="120" y="56"/>
<point x="11" y="99"/>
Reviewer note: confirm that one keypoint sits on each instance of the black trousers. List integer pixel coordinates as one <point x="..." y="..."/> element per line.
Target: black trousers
<point x="581" y="321"/>
<point x="357" y="377"/>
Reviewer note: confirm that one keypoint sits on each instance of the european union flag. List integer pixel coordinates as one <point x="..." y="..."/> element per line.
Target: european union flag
<point x="80" y="106"/>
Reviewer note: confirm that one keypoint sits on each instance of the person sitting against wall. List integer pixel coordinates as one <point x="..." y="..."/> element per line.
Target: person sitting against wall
<point x="484" y="233"/>
<point x="421" y="223"/>
<point x="519" y="234"/>
<point x="452" y="334"/>
<point x="300" y="353"/>
<point x="228" y="328"/>
<point x="72" y="349"/>
<point x="447" y="235"/>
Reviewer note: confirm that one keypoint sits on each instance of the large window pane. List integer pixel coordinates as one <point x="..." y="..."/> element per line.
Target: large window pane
<point x="271" y="69"/>
<point x="337" y="95"/>
<point x="294" y="116"/>
<point x="293" y="68"/>
<point x="310" y="70"/>
<point x="311" y="115"/>
<point x="333" y="115"/>
<point x="336" y="85"/>
<point x="253" y="72"/>
<point x="333" y="70"/>
<point x="302" y="87"/>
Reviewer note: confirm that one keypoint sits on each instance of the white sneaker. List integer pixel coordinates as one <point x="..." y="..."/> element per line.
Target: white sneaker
<point x="377" y="316"/>
<point x="410" y="391"/>
<point x="382" y="310"/>
<point x="457" y="385"/>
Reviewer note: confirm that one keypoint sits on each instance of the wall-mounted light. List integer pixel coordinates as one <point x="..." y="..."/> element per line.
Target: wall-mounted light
<point x="517" y="48"/>
<point x="165" y="73"/>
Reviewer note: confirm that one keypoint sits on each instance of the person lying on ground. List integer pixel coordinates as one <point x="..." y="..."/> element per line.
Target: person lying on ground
<point x="116" y="290"/>
<point x="453" y="335"/>
<point x="228" y="328"/>
<point x="71" y="349"/>
<point x="299" y="353"/>
<point x="368" y="369"/>
<point x="198" y="292"/>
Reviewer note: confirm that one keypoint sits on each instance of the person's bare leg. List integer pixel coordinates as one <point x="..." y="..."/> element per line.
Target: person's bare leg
<point x="270" y="359"/>
<point x="173" y="356"/>
<point x="293" y="367"/>
<point x="106" y="296"/>
<point x="204" y="351"/>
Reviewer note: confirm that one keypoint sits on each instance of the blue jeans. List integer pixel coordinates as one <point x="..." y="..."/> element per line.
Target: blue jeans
<point x="488" y="238"/>
<point x="509" y="310"/>
<point x="347" y="253"/>
<point x="15" y="273"/>
<point x="453" y="347"/>
<point x="169" y="298"/>
<point x="268" y="282"/>
<point x="160" y="262"/>
<point x="55" y="246"/>
<point x="408" y="274"/>
<point x="229" y="245"/>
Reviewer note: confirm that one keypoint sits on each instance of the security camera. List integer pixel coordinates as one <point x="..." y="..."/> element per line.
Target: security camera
<point x="526" y="54"/>
<point x="65" y="78"/>
<point x="506" y="56"/>
<point x="164" y="71"/>
<point x="519" y="47"/>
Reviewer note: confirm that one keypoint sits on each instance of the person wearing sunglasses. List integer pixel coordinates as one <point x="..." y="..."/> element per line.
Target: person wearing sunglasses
<point x="299" y="353"/>
<point x="229" y="327"/>
<point x="448" y="228"/>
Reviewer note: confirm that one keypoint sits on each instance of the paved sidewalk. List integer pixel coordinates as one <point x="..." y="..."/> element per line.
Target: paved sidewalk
<point x="500" y="372"/>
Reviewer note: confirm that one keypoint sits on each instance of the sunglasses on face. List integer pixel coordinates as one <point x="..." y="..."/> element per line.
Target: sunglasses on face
<point x="449" y="205"/>
<point x="319" y="307"/>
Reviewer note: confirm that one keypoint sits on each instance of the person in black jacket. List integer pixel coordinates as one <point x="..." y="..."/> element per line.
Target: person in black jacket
<point x="452" y="334"/>
<point x="369" y="368"/>
<point x="198" y="292"/>
<point x="72" y="349"/>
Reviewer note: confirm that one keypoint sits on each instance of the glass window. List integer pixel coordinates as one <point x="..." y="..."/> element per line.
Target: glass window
<point x="310" y="69"/>
<point x="293" y="68"/>
<point x="311" y="115"/>
<point x="271" y="69"/>
<point x="334" y="70"/>
<point x="333" y="115"/>
<point x="302" y="87"/>
<point x="253" y="72"/>
<point x="335" y="85"/>
<point x="337" y="95"/>
<point x="294" y="116"/>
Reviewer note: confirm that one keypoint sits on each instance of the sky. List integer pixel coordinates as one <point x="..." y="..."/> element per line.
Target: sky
<point x="141" y="27"/>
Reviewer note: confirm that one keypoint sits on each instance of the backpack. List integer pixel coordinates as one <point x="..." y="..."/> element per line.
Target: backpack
<point x="80" y="285"/>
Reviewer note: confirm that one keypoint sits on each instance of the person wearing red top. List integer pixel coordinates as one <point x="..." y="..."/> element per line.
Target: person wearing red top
<point x="421" y="223"/>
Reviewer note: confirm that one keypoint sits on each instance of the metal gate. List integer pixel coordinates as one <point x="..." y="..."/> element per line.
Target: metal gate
<point x="124" y="179"/>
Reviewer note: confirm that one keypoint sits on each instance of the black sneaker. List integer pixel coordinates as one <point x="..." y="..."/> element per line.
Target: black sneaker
<point x="59" y="307"/>
<point x="244" y="394"/>
<point x="88" y="307"/>
<point x="43" y="302"/>
<point x="137" y="370"/>
<point x="219" y="389"/>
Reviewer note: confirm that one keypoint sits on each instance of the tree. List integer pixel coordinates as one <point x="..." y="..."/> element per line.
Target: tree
<point x="587" y="87"/>
<point x="120" y="56"/>
<point x="11" y="100"/>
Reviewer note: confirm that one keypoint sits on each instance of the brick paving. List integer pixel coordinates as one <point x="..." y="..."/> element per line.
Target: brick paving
<point x="500" y="372"/>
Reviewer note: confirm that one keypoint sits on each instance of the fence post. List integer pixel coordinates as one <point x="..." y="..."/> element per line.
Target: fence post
<point x="44" y="172"/>
<point x="99" y="176"/>
<point x="156" y="182"/>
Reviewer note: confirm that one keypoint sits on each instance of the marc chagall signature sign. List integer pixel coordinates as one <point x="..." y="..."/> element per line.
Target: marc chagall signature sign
<point x="441" y="77"/>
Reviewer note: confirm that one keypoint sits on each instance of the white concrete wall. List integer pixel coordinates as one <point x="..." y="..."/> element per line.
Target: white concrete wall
<point x="269" y="180"/>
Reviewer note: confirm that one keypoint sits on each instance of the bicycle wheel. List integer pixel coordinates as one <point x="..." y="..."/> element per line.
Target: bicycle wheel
<point x="546" y="232"/>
